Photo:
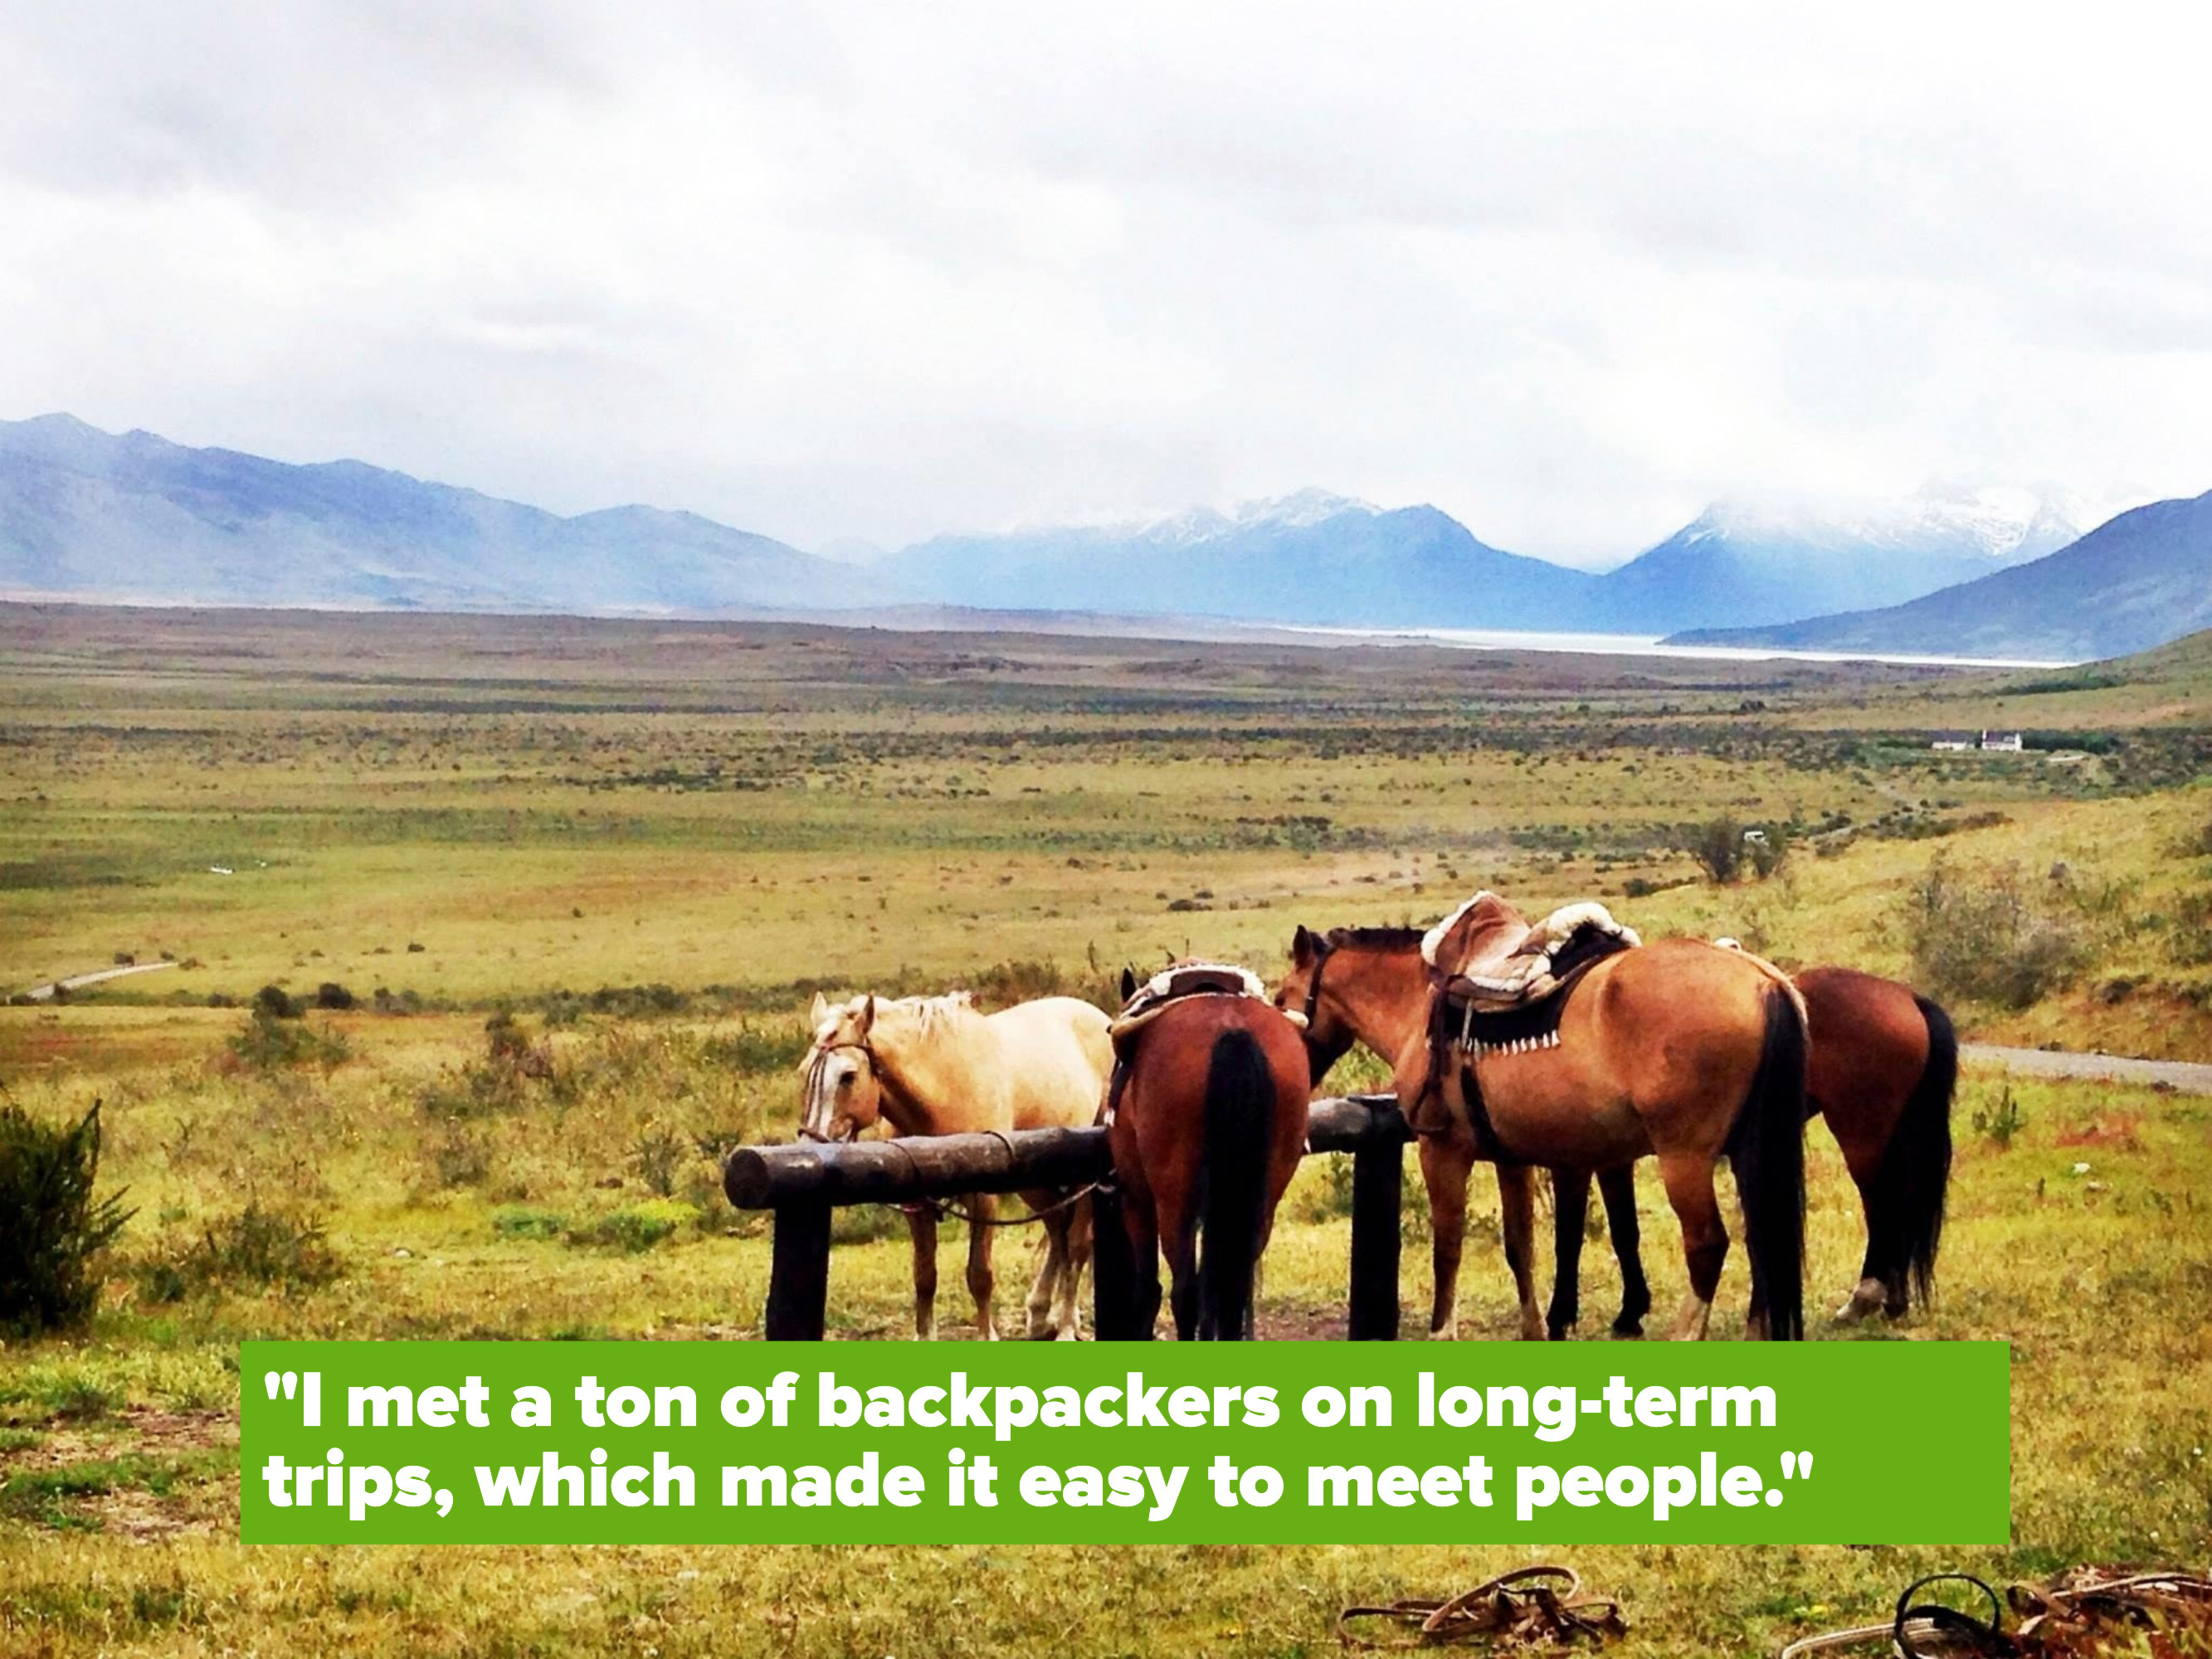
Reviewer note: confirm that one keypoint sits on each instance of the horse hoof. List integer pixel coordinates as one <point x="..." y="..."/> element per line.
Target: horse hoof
<point x="1444" y="1333"/>
<point x="1628" y="1333"/>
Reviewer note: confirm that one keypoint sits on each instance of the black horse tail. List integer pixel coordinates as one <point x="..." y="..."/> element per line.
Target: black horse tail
<point x="1766" y="1148"/>
<point x="1915" y="1173"/>
<point x="1240" y="1097"/>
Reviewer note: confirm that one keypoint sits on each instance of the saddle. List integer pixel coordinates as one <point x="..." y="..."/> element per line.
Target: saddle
<point x="1177" y="983"/>
<point x="1143" y="1004"/>
<point x="1501" y="988"/>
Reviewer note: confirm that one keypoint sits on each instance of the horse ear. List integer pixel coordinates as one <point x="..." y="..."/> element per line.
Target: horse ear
<point x="1302" y="947"/>
<point x="867" y="1014"/>
<point x="1129" y="983"/>
<point x="818" y="1013"/>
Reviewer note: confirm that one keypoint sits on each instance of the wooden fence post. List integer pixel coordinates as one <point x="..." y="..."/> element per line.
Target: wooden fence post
<point x="799" y="1273"/>
<point x="1377" y="1172"/>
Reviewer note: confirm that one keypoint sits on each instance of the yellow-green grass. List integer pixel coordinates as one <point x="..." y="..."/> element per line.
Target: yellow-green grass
<point x="116" y="1446"/>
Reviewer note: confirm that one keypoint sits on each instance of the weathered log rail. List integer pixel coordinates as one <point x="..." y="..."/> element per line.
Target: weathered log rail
<point x="804" y="1182"/>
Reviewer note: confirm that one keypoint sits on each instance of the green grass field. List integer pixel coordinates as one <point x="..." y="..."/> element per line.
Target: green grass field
<point x="473" y="816"/>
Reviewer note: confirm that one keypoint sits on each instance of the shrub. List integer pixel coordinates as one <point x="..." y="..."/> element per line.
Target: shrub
<point x="272" y="1002"/>
<point x="2191" y="928"/>
<point x="635" y="1230"/>
<point x="256" y="1246"/>
<point x="55" y="1229"/>
<point x="332" y="995"/>
<point x="1767" y="850"/>
<point x="1718" y="846"/>
<point x="268" y="1043"/>
<point x="1988" y="938"/>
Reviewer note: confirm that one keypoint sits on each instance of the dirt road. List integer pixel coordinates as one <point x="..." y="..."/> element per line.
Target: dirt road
<point x="2185" y="1077"/>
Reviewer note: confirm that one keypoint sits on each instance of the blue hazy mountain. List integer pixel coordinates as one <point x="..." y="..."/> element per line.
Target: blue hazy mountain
<point x="1309" y="558"/>
<point x="1315" y="557"/>
<point x="1747" y="562"/>
<point x="88" y="515"/>
<point x="2136" y="582"/>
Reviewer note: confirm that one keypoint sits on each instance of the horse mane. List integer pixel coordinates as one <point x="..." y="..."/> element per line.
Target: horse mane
<point x="930" y="1014"/>
<point x="1374" y="938"/>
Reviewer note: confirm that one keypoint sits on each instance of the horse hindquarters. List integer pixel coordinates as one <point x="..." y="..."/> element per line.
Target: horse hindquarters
<point x="1766" y="1148"/>
<point x="1905" y="1199"/>
<point x="1239" y="1107"/>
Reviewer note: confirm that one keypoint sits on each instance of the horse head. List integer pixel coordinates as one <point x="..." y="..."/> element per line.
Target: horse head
<point x="1328" y="1038"/>
<point x="842" y="1093"/>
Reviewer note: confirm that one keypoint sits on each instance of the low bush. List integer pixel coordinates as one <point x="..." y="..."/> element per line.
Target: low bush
<point x="269" y="1042"/>
<point x="635" y="1230"/>
<point x="54" y="1228"/>
<point x="1990" y="937"/>
<point x="258" y="1246"/>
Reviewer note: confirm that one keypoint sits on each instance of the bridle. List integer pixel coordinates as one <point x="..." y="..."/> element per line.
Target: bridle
<point x="1323" y="949"/>
<point x="814" y="1070"/>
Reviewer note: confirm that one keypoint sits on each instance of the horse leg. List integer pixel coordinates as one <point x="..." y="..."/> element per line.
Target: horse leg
<point x="980" y="1208"/>
<point x="1447" y="1161"/>
<point x="1881" y="1275"/>
<point x="1516" y="1201"/>
<point x="1689" y="1181"/>
<point x="1142" y="1224"/>
<point x="921" y="1224"/>
<point x="1044" y="1289"/>
<point x="1075" y="1255"/>
<point x="1570" y="1207"/>
<point x="1617" y="1186"/>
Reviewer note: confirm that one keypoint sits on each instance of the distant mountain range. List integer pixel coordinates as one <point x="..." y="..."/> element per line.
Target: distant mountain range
<point x="1318" y="558"/>
<point x="2136" y="582"/>
<point x="1309" y="558"/>
<point x="88" y="515"/>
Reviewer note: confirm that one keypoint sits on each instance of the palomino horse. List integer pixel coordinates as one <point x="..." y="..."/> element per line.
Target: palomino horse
<point x="934" y="1065"/>
<point x="1677" y="1049"/>
<point x="1207" y="1122"/>
<point x="1883" y="1067"/>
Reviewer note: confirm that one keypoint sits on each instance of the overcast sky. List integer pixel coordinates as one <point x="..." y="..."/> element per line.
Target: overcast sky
<point x="829" y="271"/>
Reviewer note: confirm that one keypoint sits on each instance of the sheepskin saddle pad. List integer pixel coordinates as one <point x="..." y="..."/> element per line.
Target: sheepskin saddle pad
<point x="1507" y="990"/>
<point x="1186" y="979"/>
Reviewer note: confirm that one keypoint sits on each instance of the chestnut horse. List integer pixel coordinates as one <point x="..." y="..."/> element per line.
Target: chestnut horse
<point x="1208" y="1125"/>
<point x="1676" y="1049"/>
<point x="1882" y="1068"/>
<point x="937" y="1065"/>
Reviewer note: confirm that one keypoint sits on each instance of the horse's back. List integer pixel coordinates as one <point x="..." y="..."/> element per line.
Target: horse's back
<point x="1056" y="1057"/>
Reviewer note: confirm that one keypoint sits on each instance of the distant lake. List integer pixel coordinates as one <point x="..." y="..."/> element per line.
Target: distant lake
<point x="1641" y="645"/>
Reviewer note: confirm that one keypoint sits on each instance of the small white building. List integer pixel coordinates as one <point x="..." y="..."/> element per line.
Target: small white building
<point x="2003" y="742"/>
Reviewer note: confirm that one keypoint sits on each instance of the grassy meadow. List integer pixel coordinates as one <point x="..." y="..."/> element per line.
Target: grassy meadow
<point x="570" y="884"/>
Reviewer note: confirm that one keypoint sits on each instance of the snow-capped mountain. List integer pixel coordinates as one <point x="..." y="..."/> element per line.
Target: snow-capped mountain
<point x="2137" y="580"/>
<point x="1309" y="557"/>
<point x="1762" y="560"/>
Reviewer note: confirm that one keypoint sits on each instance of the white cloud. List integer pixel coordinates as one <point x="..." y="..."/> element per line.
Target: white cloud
<point x="850" y="270"/>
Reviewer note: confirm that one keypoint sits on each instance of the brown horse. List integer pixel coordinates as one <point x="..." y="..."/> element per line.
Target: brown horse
<point x="1207" y="1122"/>
<point x="1678" y="1049"/>
<point x="1883" y="1067"/>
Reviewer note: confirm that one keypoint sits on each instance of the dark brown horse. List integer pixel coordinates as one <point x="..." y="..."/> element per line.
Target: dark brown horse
<point x="1207" y="1122"/>
<point x="1882" y="1067"/>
